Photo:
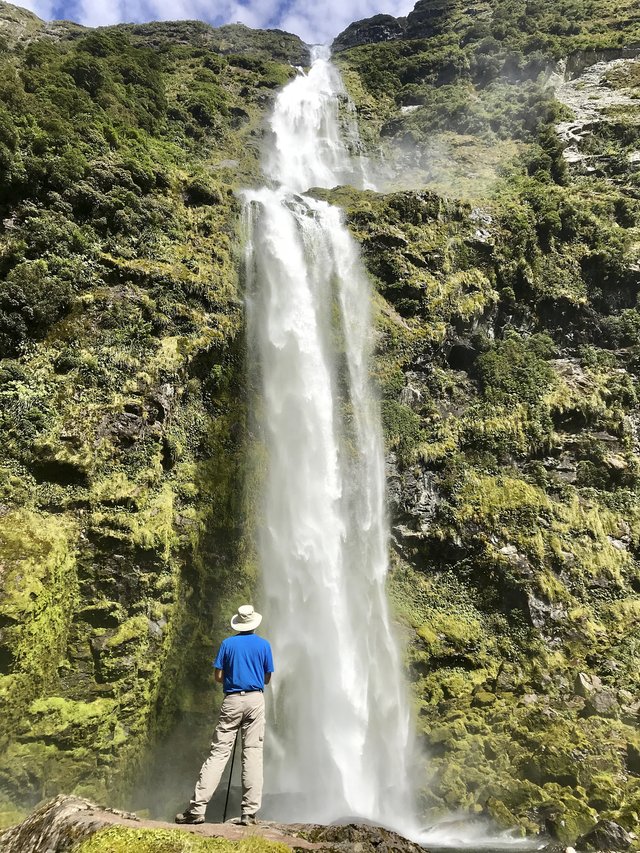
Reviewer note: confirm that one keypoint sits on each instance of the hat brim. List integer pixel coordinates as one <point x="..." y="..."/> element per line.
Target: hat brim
<point x="250" y="625"/>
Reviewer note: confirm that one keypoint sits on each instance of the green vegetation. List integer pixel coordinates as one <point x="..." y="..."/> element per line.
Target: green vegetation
<point x="122" y="542"/>
<point x="120" y="839"/>
<point x="488" y="45"/>
<point x="454" y="100"/>
<point x="507" y="362"/>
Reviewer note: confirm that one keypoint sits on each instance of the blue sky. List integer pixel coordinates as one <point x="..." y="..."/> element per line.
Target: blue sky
<point x="313" y="20"/>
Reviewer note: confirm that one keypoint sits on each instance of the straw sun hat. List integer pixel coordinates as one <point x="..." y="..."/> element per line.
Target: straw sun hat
<point x="246" y="619"/>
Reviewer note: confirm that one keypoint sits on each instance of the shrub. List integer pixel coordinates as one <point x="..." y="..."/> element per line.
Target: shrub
<point x="87" y="72"/>
<point x="31" y="300"/>
<point x="516" y="369"/>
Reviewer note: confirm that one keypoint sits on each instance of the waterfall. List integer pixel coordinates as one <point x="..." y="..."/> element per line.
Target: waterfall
<point x="338" y="742"/>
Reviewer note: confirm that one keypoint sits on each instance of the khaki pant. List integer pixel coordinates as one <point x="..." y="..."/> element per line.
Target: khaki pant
<point x="244" y="712"/>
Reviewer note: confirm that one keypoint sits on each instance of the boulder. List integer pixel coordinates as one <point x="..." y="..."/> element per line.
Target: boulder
<point x="633" y="759"/>
<point x="544" y="614"/>
<point x="602" y="703"/>
<point x="585" y="685"/>
<point x="605" y="835"/>
<point x="360" y="838"/>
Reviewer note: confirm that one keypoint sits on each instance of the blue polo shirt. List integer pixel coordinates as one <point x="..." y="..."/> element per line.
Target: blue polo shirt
<point x="244" y="659"/>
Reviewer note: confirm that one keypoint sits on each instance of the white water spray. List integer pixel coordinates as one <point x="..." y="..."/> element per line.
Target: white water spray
<point x="339" y="742"/>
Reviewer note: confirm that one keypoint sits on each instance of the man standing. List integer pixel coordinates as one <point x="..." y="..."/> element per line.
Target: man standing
<point x="243" y="666"/>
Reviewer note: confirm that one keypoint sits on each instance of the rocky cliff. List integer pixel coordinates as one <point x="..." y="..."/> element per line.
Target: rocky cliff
<point x="510" y="393"/>
<point x="505" y="254"/>
<point x="122" y="543"/>
<point x="562" y="27"/>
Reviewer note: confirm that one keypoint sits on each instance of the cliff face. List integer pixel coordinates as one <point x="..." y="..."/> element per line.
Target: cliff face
<point x="505" y="255"/>
<point x="122" y="546"/>
<point x="566" y="26"/>
<point x="509" y="380"/>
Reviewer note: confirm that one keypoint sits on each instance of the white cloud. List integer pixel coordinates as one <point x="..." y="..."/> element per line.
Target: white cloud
<point x="42" y="8"/>
<point x="313" y="20"/>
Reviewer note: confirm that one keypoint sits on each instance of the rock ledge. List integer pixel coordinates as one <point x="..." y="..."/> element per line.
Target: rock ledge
<point x="63" y="823"/>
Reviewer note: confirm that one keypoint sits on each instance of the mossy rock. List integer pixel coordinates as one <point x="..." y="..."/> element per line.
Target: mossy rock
<point x="118" y="839"/>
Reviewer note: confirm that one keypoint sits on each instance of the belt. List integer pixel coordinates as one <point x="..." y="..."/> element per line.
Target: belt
<point x="242" y="692"/>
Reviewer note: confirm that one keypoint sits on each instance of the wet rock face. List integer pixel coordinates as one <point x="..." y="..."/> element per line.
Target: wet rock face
<point x="505" y="455"/>
<point x="606" y="835"/>
<point x="414" y="500"/>
<point x="596" y="95"/>
<point x="361" y="838"/>
<point x="507" y="341"/>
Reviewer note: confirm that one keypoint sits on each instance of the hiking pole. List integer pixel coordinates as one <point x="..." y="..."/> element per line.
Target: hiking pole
<point x="233" y="755"/>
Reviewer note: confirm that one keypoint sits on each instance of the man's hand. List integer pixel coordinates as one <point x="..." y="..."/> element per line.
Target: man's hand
<point x="219" y="675"/>
<point x="267" y="677"/>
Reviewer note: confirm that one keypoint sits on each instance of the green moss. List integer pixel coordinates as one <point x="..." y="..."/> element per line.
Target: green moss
<point x="39" y="593"/>
<point x="130" y="631"/>
<point x="11" y="817"/>
<point x="116" y="413"/>
<point x="119" y="839"/>
<point x="516" y="370"/>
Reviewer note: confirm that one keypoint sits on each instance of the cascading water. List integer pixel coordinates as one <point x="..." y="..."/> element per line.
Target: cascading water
<point x="339" y="740"/>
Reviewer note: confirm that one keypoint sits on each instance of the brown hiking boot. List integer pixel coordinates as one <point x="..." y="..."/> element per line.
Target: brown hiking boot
<point x="187" y="817"/>
<point x="248" y="820"/>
